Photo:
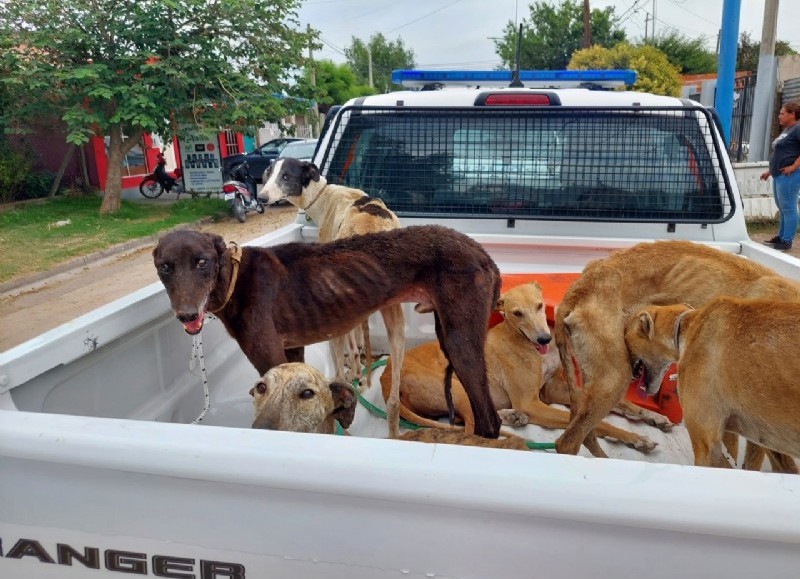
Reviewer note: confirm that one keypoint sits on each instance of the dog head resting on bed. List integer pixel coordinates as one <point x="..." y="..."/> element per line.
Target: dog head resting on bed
<point x="296" y="397"/>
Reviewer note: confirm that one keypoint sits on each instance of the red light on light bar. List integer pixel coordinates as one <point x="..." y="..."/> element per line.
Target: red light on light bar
<point x="500" y="99"/>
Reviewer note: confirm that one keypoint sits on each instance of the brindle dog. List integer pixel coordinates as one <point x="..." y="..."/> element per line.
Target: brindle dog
<point x="290" y="295"/>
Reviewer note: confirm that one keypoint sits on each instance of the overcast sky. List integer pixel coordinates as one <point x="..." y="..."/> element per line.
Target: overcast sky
<point x="457" y="33"/>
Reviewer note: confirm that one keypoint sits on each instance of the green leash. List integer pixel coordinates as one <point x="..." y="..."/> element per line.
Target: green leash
<point x="410" y="425"/>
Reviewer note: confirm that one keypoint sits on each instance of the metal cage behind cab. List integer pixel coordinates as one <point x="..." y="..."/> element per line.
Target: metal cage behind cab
<point x="651" y="164"/>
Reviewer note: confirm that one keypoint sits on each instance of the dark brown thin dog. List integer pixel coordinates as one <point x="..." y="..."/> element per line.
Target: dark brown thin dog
<point x="292" y="295"/>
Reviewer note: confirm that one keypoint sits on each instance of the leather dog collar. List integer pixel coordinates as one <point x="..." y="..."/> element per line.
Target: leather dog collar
<point x="314" y="200"/>
<point x="236" y="257"/>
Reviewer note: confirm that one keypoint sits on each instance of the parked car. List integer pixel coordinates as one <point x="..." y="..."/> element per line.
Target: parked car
<point x="258" y="159"/>
<point x="303" y="150"/>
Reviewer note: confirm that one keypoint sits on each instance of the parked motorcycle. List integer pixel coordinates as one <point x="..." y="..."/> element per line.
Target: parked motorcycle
<point x="154" y="184"/>
<point x="240" y="193"/>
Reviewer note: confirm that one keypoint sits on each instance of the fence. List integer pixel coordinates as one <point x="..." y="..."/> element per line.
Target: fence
<point x="744" y="96"/>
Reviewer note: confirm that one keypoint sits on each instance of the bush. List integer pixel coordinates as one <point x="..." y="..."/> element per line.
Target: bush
<point x="37" y="185"/>
<point x="654" y="73"/>
<point x="15" y="169"/>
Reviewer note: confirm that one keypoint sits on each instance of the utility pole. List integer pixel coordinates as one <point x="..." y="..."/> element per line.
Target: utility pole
<point x="766" y="80"/>
<point x="653" y="30"/>
<point x="587" y="25"/>
<point x="369" y="66"/>
<point x="646" y="23"/>
<point x="312" y="76"/>
<point x="726" y="68"/>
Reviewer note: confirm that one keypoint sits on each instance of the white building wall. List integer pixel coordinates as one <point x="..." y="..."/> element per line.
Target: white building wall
<point x="756" y="194"/>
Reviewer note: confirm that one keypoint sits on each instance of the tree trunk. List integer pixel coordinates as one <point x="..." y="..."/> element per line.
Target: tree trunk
<point x="84" y="170"/>
<point x="117" y="148"/>
<point x="62" y="168"/>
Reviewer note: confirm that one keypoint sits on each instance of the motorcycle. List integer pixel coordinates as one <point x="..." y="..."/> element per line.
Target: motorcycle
<point x="240" y="193"/>
<point x="154" y="184"/>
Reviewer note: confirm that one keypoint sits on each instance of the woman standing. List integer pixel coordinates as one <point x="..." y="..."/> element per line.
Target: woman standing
<point x="783" y="166"/>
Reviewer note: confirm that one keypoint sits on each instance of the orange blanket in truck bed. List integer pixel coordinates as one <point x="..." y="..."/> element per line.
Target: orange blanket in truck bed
<point x="554" y="285"/>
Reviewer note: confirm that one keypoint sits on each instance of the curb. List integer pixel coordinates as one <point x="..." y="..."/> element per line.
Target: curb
<point x="30" y="282"/>
<point x="35" y="280"/>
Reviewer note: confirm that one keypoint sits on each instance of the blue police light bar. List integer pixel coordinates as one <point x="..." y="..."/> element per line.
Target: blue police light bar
<point x="530" y="78"/>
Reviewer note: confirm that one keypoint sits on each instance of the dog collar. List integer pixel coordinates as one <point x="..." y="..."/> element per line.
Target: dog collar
<point x="314" y="200"/>
<point x="236" y="257"/>
<point x="676" y="333"/>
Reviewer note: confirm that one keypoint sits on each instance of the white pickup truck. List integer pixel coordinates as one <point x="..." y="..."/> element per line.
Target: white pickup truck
<point x="102" y="472"/>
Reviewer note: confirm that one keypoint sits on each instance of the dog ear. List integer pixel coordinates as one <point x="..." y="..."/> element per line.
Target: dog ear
<point x="310" y="173"/>
<point x="646" y="324"/>
<point x="536" y="285"/>
<point x="219" y="243"/>
<point x="344" y="403"/>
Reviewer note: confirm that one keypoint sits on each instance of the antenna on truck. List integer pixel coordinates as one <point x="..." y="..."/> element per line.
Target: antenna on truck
<point x="515" y="80"/>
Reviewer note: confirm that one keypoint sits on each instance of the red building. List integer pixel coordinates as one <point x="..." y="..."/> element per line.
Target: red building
<point x="48" y="146"/>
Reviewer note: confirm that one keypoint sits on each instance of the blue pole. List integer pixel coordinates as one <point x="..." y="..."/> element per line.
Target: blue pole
<point x="726" y="66"/>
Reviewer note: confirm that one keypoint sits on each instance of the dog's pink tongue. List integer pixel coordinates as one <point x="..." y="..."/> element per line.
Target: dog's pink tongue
<point x="641" y="388"/>
<point x="541" y="348"/>
<point x="194" y="326"/>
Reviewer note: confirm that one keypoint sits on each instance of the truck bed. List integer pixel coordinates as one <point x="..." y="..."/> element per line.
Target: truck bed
<point x="103" y="470"/>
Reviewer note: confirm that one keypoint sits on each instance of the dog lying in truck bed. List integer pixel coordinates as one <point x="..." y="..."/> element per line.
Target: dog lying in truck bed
<point x="590" y="320"/>
<point x="524" y="375"/>
<point x="296" y="397"/>
<point x="737" y="371"/>
<point x="275" y="300"/>
<point x="341" y="212"/>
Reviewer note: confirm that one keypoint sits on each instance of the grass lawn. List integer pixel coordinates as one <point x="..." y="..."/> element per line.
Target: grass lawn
<point x="762" y="226"/>
<point x="36" y="236"/>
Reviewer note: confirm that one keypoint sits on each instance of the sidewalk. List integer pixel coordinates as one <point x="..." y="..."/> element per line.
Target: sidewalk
<point x="35" y="304"/>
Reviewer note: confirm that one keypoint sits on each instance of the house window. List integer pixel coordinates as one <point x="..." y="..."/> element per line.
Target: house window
<point x="231" y="145"/>
<point x="133" y="163"/>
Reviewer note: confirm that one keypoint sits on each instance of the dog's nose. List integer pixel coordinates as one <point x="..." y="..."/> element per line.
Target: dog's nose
<point x="544" y="339"/>
<point x="186" y="318"/>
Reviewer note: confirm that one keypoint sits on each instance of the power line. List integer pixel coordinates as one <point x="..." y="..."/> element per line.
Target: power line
<point x="679" y="5"/>
<point x="332" y="46"/>
<point x="422" y="17"/>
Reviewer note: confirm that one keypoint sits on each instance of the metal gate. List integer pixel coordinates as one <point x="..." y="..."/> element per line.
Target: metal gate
<point x="743" y="97"/>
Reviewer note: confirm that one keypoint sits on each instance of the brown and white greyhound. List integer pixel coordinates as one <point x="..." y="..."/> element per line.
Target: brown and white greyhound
<point x="340" y="212"/>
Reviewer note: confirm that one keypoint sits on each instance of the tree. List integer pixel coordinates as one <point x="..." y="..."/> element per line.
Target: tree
<point x="655" y="74"/>
<point x="386" y="57"/>
<point x="749" y="51"/>
<point x="690" y="55"/>
<point x="337" y="84"/>
<point x="120" y="68"/>
<point x="553" y="33"/>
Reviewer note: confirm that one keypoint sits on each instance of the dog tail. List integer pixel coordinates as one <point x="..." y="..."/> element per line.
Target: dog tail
<point x="448" y="371"/>
<point x="408" y="414"/>
<point x="367" y="351"/>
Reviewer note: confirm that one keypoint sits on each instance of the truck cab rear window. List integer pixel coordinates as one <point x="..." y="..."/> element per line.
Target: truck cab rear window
<point x="632" y="164"/>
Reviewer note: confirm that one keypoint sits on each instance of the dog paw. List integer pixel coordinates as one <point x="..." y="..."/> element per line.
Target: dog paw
<point x="643" y="444"/>
<point x="661" y="422"/>
<point x="654" y="419"/>
<point x="511" y="417"/>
